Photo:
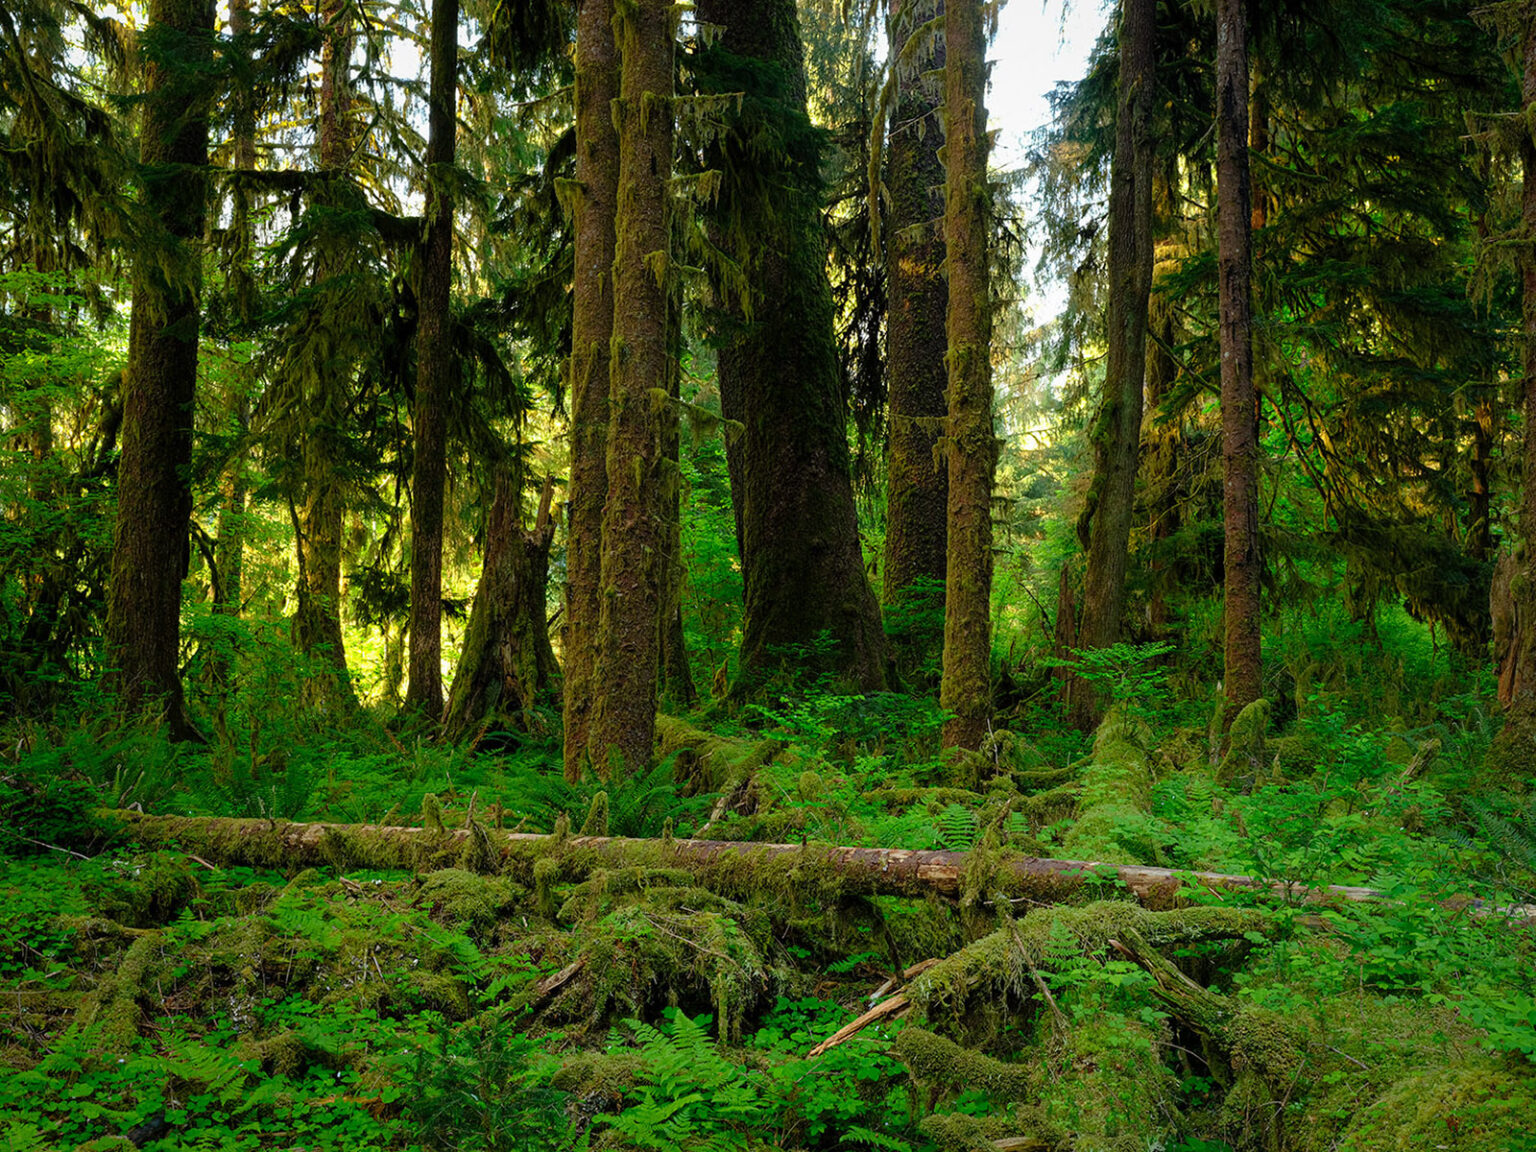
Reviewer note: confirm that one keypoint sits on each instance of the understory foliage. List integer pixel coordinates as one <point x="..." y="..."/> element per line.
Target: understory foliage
<point x="179" y="1000"/>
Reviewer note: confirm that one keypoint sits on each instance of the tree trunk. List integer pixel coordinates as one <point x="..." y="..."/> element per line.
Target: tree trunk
<point x="320" y="511"/>
<point x="1513" y="755"/>
<point x="150" y="538"/>
<point x="1163" y="451"/>
<point x="507" y="671"/>
<point x="1116" y="432"/>
<point x="721" y="865"/>
<point x="230" y="545"/>
<point x="676" y="677"/>
<point x="802" y="563"/>
<point x="626" y="660"/>
<point x="1239" y="414"/>
<point x="434" y="373"/>
<point x="597" y="175"/>
<point x="966" y="689"/>
<point x="917" y="483"/>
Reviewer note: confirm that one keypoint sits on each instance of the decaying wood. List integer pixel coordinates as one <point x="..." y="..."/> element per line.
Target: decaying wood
<point x="877" y="871"/>
<point x="879" y="1012"/>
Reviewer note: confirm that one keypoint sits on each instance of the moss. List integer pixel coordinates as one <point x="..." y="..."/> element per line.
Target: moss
<point x="1489" y="1106"/>
<point x="932" y="1059"/>
<point x="479" y="854"/>
<point x="467" y="900"/>
<point x="1246" y="757"/>
<point x="596" y="823"/>
<point x="1108" y="1087"/>
<point x="958" y="1132"/>
<point x="1114" y="819"/>
<point x="432" y="814"/>
<point x="147" y="892"/>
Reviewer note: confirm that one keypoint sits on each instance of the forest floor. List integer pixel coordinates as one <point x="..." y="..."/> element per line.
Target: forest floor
<point x="200" y="996"/>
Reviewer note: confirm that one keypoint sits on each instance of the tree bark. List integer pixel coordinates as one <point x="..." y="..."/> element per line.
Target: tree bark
<point x="434" y="373"/>
<point x="917" y="482"/>
<point x="721" y="865"/>
<point x="1239" y="414"/>
<point x="231" y="529"/>
<point x="1513" y="755"/>
<point x="966" y="689"/>
<point x="150" y="537"/>
<point x="320" y="510"/>
<point x="507" y="670"/>
<point x="1116" y="432"/>
<point x="597" y="178"/>
<point x="676" y="676"/>
<point x="802" y="562"/>
<point x="623" y="724"/>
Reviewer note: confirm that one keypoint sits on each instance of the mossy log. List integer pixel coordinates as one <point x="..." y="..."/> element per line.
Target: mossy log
<point x="727" y="866"/>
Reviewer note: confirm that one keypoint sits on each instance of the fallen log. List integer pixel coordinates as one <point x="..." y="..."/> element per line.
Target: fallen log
<point x="728" y="866"/>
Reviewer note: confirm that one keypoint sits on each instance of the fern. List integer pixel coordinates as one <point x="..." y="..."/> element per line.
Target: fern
<point x="692" y="1097"/>
<point x="957" y="828"/>
<point x="858" y="1137"/>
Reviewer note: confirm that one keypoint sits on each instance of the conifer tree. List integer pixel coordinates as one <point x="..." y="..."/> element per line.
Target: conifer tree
<point x="917" y="481"/>
<point x="595" y="203"/>
<point x="434" y="371"/>
<point x="320" y="509"/>
<point x="806" y="591"/>
<point x="626" y="661"/>
<point x="150" y="539"/>
<point x="1105" y="525"/>
<point x="1239" y="415"/>
<point x="970" y="446"/>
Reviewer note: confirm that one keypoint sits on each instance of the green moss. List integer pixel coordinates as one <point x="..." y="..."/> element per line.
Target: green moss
<point x="596" y="823"/>
<point x="1487" y="1107"/>
<point x="958" y="1132"/>
<point x="1246" y="758"/>
<point x="467" y="900"/>
<point x="146" y="892"/>
<point x="1108" y="1086"/>
<point x="932" y="1059"/>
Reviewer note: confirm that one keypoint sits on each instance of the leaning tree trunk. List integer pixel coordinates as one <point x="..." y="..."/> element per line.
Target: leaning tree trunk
<point x="507" y="675"/>
<point x="1239" y="413"/>
<point x="917" y="482"/>
<point x="320" y="511"/>
<point x="966" y="689"/>
<point x="597" y="181"/>
<point x="626" y="660"/>
<point x="434" y="374"/>
<point x="802" y="563"/>
<point x="150" y="538"/>
<point x="1116" y="432"/>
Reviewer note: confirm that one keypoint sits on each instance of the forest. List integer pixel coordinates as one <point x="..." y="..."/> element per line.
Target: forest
<point x="611" y="575"/>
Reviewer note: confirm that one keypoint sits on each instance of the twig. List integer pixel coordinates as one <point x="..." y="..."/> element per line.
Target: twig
<point x="54" y="847"/>
<point x="1045" y="992"/>
<point x="848" y="1031"/>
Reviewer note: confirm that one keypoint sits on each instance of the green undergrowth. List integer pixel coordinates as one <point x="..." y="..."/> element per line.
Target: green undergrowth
<point x="553" y="998"/>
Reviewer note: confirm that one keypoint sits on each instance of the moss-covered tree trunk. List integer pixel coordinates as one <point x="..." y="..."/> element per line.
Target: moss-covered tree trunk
<point x="229" y="549"/>
<point x="1239" y="412"/>
<point x="917" y="483"/>
<point x="434" y="372"/>
<point x="970" y="447"/>
<point x="597" y="180"/>
<point x="150" y="537"/>
<point x="802" y="563"/>
<point x="320" y="510"/>
<point x="1513" y="755"/>
<point x="1164" y="447"/>
<point x="1116" y="431"/>
<point x="676" y="675"/>
<point x="626" y="660"/>
<point x="507" y="674"/>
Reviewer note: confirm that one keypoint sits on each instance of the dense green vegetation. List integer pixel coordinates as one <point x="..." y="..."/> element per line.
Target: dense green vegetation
<point x="854" y="719"/>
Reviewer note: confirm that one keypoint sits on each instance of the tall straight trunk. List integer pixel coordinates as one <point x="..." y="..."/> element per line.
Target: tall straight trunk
<point x="623" y="724"/>
<point x="966" y="689"/>
<point x="230" y="541"/>
<point x="1116" y="432"/>
<point x="676" y="676"/>
<point x="802" y="562"/>
<point x="150" y="538"/>
<point x="917" y="482"/>
<point x="320" y="512"/>
<point x="1513" y="755"/>
<point x="1239" y="413"/>
<point x="434" y="373"/>
<point x="1164" y="448"/>
<point x="597" y="177"/>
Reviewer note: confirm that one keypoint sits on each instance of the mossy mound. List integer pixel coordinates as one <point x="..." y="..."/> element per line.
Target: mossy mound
<point x="1486" y="1107"/>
